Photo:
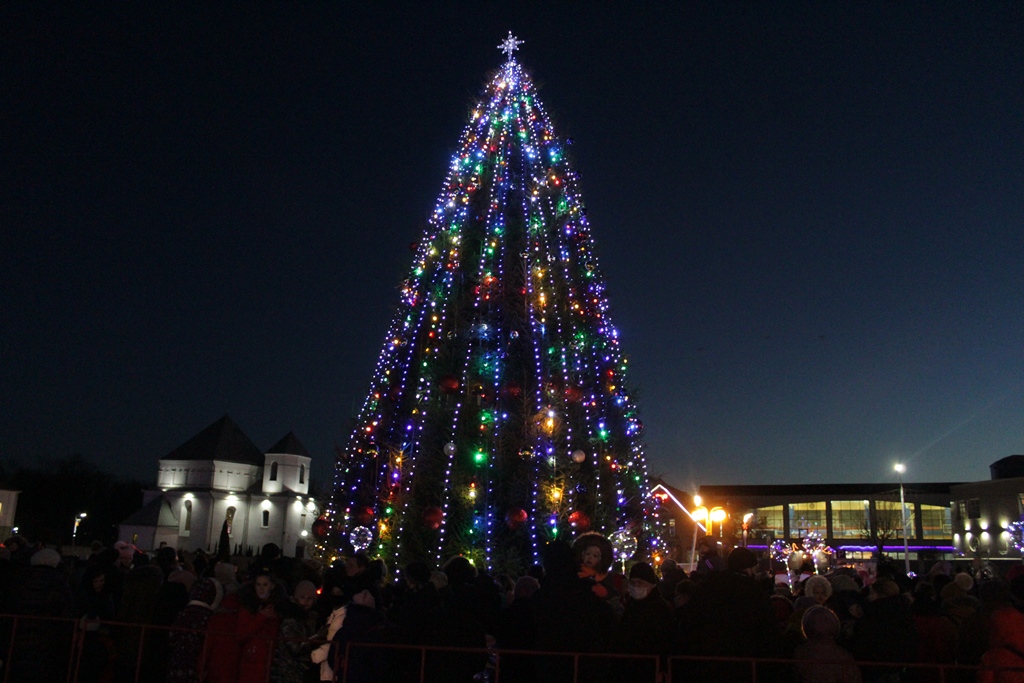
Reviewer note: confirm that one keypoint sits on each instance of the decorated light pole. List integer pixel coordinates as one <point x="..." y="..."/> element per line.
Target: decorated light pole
<point x="74" y="531"/>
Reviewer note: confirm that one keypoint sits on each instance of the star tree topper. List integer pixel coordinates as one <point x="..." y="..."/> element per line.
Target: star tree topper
<point x="510" y="45"/>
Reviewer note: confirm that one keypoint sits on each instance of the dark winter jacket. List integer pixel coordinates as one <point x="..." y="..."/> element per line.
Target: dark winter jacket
<point x="886" y="632"/>
<point x="41" y="646"/>
<point x="292" y="662"/>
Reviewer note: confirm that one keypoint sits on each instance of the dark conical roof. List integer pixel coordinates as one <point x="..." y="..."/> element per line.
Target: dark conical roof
<point x="223" y="440"/>
<point x="289" y="445"/>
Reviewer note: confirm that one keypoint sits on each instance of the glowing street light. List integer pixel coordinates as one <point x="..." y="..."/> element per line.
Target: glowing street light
<point x="717" y="514"/>
<point x="701" y="513"/>
<point x="900" y="469"/>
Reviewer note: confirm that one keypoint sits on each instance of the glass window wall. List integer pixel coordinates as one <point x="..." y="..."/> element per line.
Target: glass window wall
<point x="850" y="519"/>
<point x="807" y="518"/>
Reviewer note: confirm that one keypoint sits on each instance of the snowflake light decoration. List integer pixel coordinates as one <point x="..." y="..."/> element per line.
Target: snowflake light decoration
<point x="510" y="45"/>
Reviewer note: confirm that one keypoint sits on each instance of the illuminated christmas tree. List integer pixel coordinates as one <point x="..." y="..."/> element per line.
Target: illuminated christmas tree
<point x="499" y="415"/>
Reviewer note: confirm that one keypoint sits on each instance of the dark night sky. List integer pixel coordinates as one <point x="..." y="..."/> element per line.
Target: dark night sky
<point x="810" y="216"/>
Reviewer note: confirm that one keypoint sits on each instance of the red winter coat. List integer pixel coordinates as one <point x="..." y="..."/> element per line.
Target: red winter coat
<point x="1007" y="640"/>
<point x="223" y="648"/>
<point x="257" y="633"/>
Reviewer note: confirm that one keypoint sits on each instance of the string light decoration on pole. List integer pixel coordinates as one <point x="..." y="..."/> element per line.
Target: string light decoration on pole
<point x="501" y="383"/>
<point x="74" y="531"/>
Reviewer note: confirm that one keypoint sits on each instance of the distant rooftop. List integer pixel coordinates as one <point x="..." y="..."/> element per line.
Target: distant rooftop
<point x="289" y="445"/>
<point x="223" y="440"/>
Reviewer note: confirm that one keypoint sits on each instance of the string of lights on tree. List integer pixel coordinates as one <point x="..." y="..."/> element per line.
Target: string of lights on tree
<point x="499" y="414"/>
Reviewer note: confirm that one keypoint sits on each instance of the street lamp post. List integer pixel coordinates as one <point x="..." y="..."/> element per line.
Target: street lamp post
<point x="699" y="512"/>
<point x="900" y="469"/>
<point x="74" y="532"/>
<point x="717" y="514"/>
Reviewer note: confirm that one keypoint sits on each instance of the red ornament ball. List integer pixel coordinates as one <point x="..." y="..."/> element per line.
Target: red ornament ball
<point x="321" y="527"/>
<point x="579" y="520"/>
<point x="449" y="384"/>
<point x="363" y="516"/>
<point x="433" y="516"/>
<point x="515" y="518"/>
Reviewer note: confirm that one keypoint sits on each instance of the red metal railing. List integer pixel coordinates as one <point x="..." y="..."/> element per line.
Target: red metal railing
<point x="675" y="669"/>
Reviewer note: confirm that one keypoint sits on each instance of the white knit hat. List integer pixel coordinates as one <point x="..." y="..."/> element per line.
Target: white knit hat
<point x="46" y="556"/>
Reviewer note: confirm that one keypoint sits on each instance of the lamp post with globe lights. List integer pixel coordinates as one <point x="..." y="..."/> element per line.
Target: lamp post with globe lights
<point x="717" y="514"/>
<point x="702" y="513"/>
<point x="900" y="469"/>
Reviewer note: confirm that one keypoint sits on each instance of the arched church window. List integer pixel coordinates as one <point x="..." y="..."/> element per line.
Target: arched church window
<point x="302" y="474"/>
<point x="273" y="471"/>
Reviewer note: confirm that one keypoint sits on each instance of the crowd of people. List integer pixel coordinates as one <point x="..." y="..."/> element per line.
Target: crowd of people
<point x="122" y="615"/>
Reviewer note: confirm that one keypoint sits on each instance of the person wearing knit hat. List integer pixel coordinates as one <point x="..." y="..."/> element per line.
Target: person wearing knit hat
<point x="646" y="626"/>
<point x="965" y="581"/>
<point x="188" y="634"/>
<point x="742" y="560"/>
<point x="643" y="572"/>
<point x="818" y="588"/>
<point x="593" y="555"/>
<point x="842" y="582"/>
<point x="183" y="577"/>
<point x="304" y="594"/>
<point x="47" y="556"/>
<point x="820" y="658"/>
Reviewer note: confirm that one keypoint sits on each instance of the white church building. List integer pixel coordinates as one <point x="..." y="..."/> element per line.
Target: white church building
<point x="220" y="480"/>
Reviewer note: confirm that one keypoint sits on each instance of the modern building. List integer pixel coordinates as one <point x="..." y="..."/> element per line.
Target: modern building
<point x="220" y="482"/>
<point x="977" y="521"/>
<point x="856" y="520"/>
<point x="984" y="511"/>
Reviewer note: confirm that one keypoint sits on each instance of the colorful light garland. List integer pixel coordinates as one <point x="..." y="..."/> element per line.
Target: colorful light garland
<point x="501" y="371"/>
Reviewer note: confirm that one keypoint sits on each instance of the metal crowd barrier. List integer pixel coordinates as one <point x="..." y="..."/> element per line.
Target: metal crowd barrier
<point x="495" y="664"/>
